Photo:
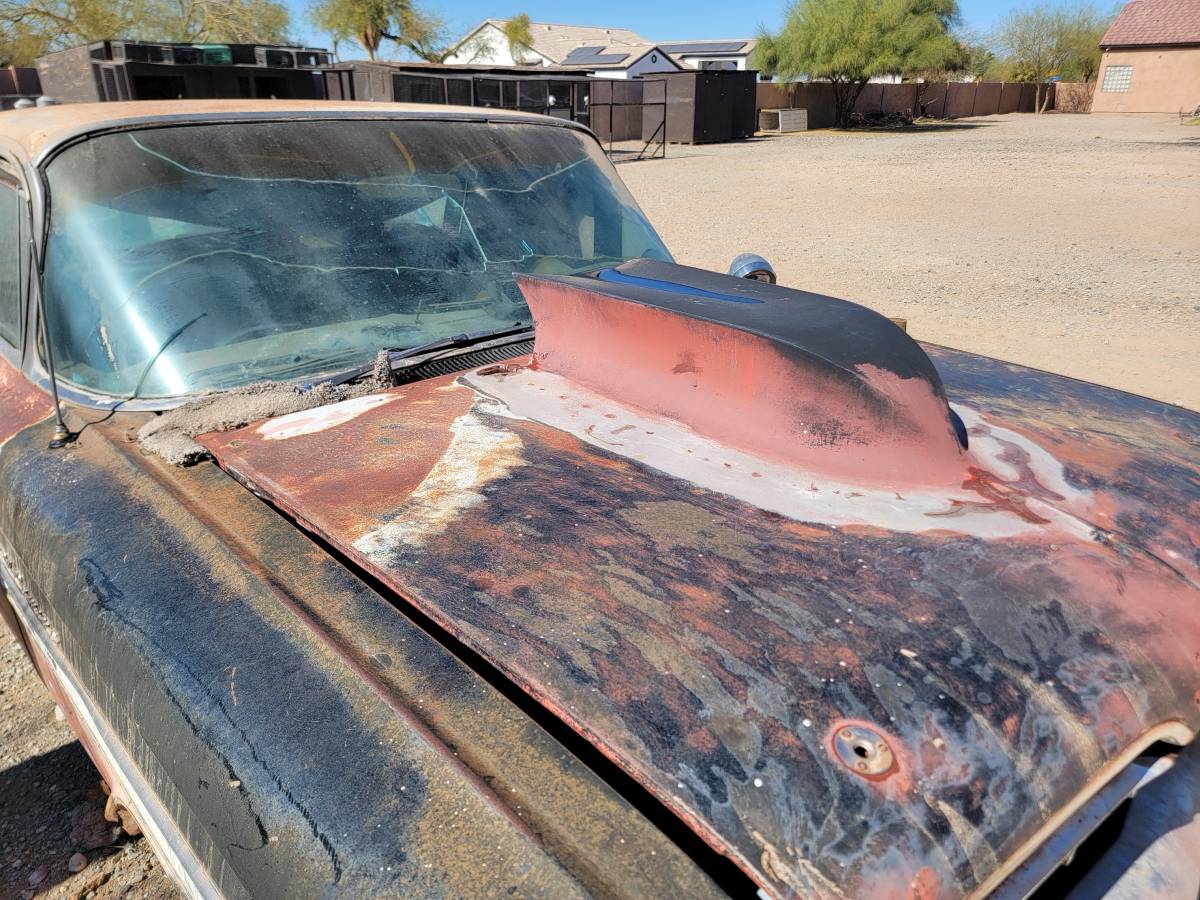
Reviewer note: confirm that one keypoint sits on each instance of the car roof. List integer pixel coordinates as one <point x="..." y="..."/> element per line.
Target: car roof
<point x="38" y="130"/>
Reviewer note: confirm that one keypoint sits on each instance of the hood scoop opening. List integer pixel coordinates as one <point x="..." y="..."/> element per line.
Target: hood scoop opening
<point x="815" y="382"/>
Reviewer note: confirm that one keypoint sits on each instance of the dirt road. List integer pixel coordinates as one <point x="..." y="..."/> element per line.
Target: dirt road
<point x="1066" y="242"/>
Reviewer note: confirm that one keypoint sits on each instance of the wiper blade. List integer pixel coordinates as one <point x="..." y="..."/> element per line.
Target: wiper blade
<point x="404" y="357"/>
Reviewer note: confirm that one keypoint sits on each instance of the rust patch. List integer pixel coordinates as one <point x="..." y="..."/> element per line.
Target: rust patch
<point x="21" y="403"/>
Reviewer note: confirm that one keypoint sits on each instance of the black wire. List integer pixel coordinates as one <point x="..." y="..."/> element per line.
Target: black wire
<point x="142" y="380"/>
<point x="167" y="343"/>
<point x="43" y="329"/>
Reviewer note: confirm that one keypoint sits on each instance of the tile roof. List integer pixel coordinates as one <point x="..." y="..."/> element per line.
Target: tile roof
<point x="1155" y="23"/>
<point x="555" y="42"/>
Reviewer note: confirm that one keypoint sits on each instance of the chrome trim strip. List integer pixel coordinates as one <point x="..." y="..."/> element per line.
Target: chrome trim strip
<point x="489" y="116"/>
<point x="1169" y="732"/>
<point x="1060" y="849"/>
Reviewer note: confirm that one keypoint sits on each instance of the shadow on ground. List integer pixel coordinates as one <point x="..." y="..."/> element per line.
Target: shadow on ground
<point x="916" y="128"/>
<point x="52" y="807"/>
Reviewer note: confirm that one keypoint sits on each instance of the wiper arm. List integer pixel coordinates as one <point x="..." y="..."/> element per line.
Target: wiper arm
<point x="404" y="357"/>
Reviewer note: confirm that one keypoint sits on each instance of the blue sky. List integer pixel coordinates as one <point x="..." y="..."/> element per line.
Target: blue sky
<point x="659" y="20"/>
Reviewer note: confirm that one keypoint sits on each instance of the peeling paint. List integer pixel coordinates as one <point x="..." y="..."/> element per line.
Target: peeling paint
<point x="478" y="455"/>
<point x="21" y="404"/>
<point x="805" y="495"/>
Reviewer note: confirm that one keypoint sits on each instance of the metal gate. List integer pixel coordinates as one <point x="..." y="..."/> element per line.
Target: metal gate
<point x="630" y="117"/>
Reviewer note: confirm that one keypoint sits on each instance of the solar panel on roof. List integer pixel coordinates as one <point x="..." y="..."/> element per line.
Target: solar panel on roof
<point x="704" y="47"/>
<point x="588" y="56"/>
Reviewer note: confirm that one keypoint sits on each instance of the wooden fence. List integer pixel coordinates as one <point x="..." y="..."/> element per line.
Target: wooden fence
<point x="935" y="100"/>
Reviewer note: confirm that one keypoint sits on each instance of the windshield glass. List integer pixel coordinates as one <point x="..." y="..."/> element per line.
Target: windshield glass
<point x="271" y="251"/>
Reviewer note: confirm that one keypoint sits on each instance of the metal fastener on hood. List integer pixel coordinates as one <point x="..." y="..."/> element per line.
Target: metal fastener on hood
<point x="863" y="751"/>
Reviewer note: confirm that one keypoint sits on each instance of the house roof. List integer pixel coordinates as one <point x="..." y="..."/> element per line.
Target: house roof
<point x="710" y="48"/>
<point x="555" y="42"/>
<point x="1155" y="23"/>
<point x="599" y="56"/>
<point x="621" y="56"/>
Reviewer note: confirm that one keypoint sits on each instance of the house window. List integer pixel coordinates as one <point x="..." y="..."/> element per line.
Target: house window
<point x="1117" y="78"/>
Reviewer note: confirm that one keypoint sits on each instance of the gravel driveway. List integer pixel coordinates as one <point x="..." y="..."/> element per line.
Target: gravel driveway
<point x="1066" y="242"/>
<point x="1071" y="243"/>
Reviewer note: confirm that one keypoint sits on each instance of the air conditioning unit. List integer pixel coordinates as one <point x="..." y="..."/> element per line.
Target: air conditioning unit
<point x="274" y="58"/>
<point x="782" y="121"/>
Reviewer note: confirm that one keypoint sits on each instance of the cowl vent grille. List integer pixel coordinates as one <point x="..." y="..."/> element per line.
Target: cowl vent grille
<point x="448" y="365"/>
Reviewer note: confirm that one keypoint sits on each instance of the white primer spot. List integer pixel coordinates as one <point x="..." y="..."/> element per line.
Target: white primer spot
<point x="319" y="418"/>
<point x="477" y="456"/>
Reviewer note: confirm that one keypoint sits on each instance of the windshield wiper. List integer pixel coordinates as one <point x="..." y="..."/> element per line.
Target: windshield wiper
<point x="405" y="357"/>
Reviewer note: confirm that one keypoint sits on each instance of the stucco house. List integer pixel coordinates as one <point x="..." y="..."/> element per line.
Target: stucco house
<point x="605" y="52"/>
<point x="1151" y="59"/>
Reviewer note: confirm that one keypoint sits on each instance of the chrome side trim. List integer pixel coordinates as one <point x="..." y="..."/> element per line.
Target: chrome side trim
<point x="1022" y="867"/>
<point x="169" y="845"/>
<point x="1060" y="848"/>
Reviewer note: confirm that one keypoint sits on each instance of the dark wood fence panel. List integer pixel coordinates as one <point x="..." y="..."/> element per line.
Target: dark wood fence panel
<point x="816" y="97"/>
<point x="870" y="100"/>
<point x="932" y="99"/>
<point x="1010" y="98"/>
<point x="953" y="100"/>
<point x="901" y="98"/>
<point x="987" y="98"/>
<point x="960" y="100"/>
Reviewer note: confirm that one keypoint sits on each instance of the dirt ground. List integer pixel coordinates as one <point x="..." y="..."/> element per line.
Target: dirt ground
<point x="1071" y="243"/>
<point x="1066" y="242"/>
<point x="52" y="808"/>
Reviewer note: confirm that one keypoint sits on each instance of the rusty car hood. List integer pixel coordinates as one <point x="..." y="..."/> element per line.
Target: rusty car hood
<point x="714" y="620"/>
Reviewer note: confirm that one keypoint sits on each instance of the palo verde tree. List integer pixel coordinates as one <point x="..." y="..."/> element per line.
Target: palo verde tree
<point x="1043" y="41"/>
<point x="221" y="21"/>
<point x="1083" y="27"/>
<point x="848" y="42"/>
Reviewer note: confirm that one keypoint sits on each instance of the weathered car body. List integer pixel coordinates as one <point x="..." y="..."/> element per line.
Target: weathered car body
<point x="718" y="587"/>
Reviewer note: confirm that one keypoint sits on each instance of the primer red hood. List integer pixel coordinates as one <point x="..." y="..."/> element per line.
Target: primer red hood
<point x="711" y="620"/>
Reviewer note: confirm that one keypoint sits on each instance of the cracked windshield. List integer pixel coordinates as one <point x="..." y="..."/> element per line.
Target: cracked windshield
<point x="208" y="257"/>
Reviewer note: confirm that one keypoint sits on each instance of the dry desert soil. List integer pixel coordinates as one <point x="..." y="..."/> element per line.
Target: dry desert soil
<point x="1070" y="243"/>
